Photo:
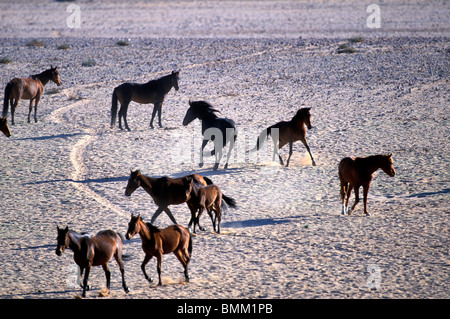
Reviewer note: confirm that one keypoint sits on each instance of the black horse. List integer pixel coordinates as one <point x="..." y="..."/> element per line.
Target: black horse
<point x="154" y="91"/>
<point x="219" y="130"/>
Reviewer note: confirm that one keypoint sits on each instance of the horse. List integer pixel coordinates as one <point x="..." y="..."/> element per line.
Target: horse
<point x="220" y="130"/>
<point x="285" y="132"/>
<point x="30" y="88"/>
<point x="156" y="242"/>
<point x="210" y="198"/>
<point x="154" y="91"/>
<point x="164" y="190"/>
<point x="4" y="128"/>
<point x="92" y="251"/>
<point x="356" y="172"/>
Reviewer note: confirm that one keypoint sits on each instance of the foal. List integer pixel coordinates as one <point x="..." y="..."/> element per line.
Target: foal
<point x="91" y="251"/>
<point x="210" y="198"/>
<point x="357" y="172"/>
<point x="156" y="242"/>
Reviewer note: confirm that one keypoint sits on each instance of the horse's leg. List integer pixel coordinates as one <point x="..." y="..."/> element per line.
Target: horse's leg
<point x="155" y="109"/>
<point x="85" y="280"/>
<point x="309" y="151"/>
<point x="217" y="219"/>
<point x="118" y="257"/>
<point x="230" y="149"/>
<point x="145" y="262"/>
<point x="365" y="192"/>
<point x="356" y="199"/>
<point x="107" y="274"/>
<point x="213" y="220"/>
<point x="124" y="114"/>
<point x="276" y="152"/>
<point x="159" y="114"/>
<point x="30" y="109"/>
<point x="218" y="156"/>
<point x="349" y="192"/>
<point x="169" y="213"/>
<point x="200" y="212"/>
<point x="165" y="209"/>
<point x="343" y="187"/>
<point x="201" y="152"/>
<point x="290" y="153"/>
<point x="156" y="214"/>
<point x="36" y="102"/>
<point x="192" y="209"/>
<point x="13" y="109"/>
<point x="184" y="262"/>
<point x="158" y="267"/>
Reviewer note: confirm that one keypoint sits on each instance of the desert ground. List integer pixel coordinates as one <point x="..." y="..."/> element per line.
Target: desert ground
<point x="257" y="62"/>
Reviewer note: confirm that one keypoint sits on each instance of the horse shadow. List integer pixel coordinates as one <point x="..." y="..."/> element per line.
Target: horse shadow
<point x="258" y="222"/>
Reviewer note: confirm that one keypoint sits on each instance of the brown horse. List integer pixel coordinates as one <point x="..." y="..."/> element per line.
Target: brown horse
<point x="156" y="242"/>
<point x="210" y="198"/>
<point x="165" y="191"/>
<point x="4" y="128"/>
<point x="91" y="251"/>
<point x="154" y="92"/>
<point x="288" y="132"/>
<point x="28" y="89"/>
<point x="356" y="172"/>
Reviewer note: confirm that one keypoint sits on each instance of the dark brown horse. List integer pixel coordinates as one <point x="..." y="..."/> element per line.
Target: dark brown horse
<point x="28" y="89"/>
<point x="154" y="92"/>
<point x="288" y="132"/>
<point x="4" y="128"/>
<point x="207" y="198"/>
<point x="357" y="172"/>
<point x="156" y="242"/>
<point x="164" y="190"/>
<point x="91" y="251"/>
<point x="219" y="130"/>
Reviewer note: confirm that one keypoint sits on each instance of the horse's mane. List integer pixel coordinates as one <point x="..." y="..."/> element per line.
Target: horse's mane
<point x="152" y="228"/>
<point x="204" y="106"/>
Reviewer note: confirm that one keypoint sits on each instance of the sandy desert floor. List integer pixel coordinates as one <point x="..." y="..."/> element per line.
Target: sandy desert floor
<point x="257" y="62"/>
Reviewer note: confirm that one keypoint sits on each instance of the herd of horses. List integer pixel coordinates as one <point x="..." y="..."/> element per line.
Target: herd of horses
<point x="197" y="191"/>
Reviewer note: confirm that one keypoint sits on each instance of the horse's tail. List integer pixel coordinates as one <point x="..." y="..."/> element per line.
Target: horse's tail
<point x="261" y="139"/>
<point x="6" y="99"/>
<point x="230" y="201"/>
<point x="114" y="108"/>
<point x="208" y="181"/>
<point x="125" y="257"/>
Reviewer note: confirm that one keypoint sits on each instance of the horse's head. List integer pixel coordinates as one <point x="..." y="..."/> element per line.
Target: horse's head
<point x="133" y="226"/>
<point x="304" y="116"/>
<point x="188" y="182"/>
<point x="62" y="240"/>
<point x="4" y="128"/>
<point x="199" y="109"/>
<point x="190" y="114"/>
<point x="133" y="182"/>
<point x="175" y="78"/>
<point x="388" y="165"/>
<point x="55" y="75"/>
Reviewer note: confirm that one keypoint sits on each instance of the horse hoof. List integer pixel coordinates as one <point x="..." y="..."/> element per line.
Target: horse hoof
<point x="200" y="164"/>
